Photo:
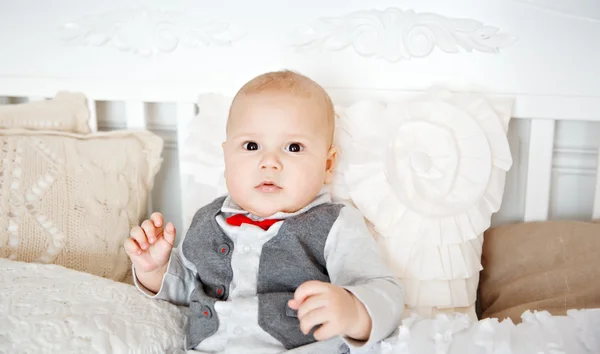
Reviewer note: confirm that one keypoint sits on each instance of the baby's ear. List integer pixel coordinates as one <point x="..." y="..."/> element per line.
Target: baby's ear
<point x="330" y="164"/>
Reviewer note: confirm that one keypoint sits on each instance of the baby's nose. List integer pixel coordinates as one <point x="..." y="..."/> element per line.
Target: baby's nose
<point x="270" y="161"/>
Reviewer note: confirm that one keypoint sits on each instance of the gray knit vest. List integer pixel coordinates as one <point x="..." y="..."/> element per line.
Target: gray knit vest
<point x="292" y="257"/>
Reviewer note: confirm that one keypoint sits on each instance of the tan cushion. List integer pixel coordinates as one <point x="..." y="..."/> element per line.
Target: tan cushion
<point x="71" y="199"/>
<point x="66" y="112"/>
<point x="552" y="265"/>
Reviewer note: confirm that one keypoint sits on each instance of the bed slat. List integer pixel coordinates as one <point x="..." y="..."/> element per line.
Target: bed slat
<point x="539" y="170"/>
<point x="596" y="211"/>
<point x="135" y="113"/>
<point x="93" y="115"/>
<point x="135" y="116"/>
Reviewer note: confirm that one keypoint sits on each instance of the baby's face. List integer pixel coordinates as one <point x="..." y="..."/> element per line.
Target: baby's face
<point x="277" y="153"/>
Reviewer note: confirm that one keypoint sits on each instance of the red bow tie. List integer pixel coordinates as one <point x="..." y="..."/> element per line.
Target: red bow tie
<point x="239" y="219"/>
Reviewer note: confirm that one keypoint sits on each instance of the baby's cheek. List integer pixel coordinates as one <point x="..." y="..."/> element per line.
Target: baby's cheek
<point x="311" y="180"/>
<point x="235" y="183"/>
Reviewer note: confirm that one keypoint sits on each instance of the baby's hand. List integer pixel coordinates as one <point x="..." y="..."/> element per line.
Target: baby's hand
<point x="149" y="246"/>
<point x="336" y="309"/>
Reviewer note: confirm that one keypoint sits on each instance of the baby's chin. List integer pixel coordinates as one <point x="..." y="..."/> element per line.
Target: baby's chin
<point x="263" y="211"/>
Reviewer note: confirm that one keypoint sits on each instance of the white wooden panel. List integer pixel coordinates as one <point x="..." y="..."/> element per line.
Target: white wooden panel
<point x="539" y="170"/>
<point x="596" y="211"/>
<point x="412" y="45"/>
<point x="93" y="115"/>
<point x="35" y="98"/>
<point x="135" y="115"/>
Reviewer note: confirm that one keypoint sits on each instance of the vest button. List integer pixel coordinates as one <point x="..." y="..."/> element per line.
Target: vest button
<point x="206" y="312"/>
<point x="224" y="250"/>
<point x="220" y="291"/>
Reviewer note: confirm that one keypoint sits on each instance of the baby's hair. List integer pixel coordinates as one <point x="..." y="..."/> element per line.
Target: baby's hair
<point x="291" y="82"/>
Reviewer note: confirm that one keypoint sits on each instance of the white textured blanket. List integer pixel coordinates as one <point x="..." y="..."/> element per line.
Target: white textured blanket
<point x="51" y="309"/>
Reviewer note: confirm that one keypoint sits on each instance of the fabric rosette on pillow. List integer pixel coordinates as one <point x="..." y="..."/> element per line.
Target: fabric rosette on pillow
<point x="427" y="173"/>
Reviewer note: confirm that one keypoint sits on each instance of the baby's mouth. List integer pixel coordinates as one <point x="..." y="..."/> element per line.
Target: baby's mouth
<point x="268" y="187"/>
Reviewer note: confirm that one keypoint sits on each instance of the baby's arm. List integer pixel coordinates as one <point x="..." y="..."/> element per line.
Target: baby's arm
<point x="355" y="262"/>
<point x="356" y="266"/>
<point x="159" y="271"/>
<point x="177" y="282"/>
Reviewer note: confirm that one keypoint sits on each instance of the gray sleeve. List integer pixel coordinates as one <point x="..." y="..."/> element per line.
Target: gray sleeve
<point x="354" y="262"/>
<point x="178" y="282"/>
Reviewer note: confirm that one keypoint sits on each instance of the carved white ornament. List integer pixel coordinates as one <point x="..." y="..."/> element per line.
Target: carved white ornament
<point x="427" y="173"/>
<point x="394" y="34"/>
<point x="148" y="31"/>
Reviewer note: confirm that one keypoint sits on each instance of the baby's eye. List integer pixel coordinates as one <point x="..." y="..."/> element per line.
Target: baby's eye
<point x="294" y="147"/>
<point x="250" y="146"/>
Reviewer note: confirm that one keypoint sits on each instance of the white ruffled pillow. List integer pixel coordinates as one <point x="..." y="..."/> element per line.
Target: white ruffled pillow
<point x="427" y="173"/>
<point x="201" y="161"/>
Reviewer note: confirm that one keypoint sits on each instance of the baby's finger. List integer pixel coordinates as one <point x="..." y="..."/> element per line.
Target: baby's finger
<point x="312" y="319"/>
<point x="326" y="331"/>
<point x="170" y="233"/>
<point x="309" y="288"/>
<point x="294" y="304"/>
<point x="157" y="219"/>
<point x="152" y="232"/>
<point x="312" y="303"/>
<point x="138" y="234"/>
<point x="131" y="247"/>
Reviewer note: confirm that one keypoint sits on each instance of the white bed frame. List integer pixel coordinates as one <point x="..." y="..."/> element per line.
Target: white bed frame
<point x="144" y="67"/>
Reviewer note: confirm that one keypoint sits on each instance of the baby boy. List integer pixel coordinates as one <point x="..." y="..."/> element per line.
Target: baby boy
<point x="274" y="265"/>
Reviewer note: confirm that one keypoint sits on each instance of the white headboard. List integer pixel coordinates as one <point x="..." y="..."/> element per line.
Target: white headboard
<point x="145" y="63"/>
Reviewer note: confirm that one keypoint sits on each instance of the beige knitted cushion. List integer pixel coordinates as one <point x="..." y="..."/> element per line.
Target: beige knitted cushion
<point x="66" y="112"/>
<point x="71" y="199"/>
